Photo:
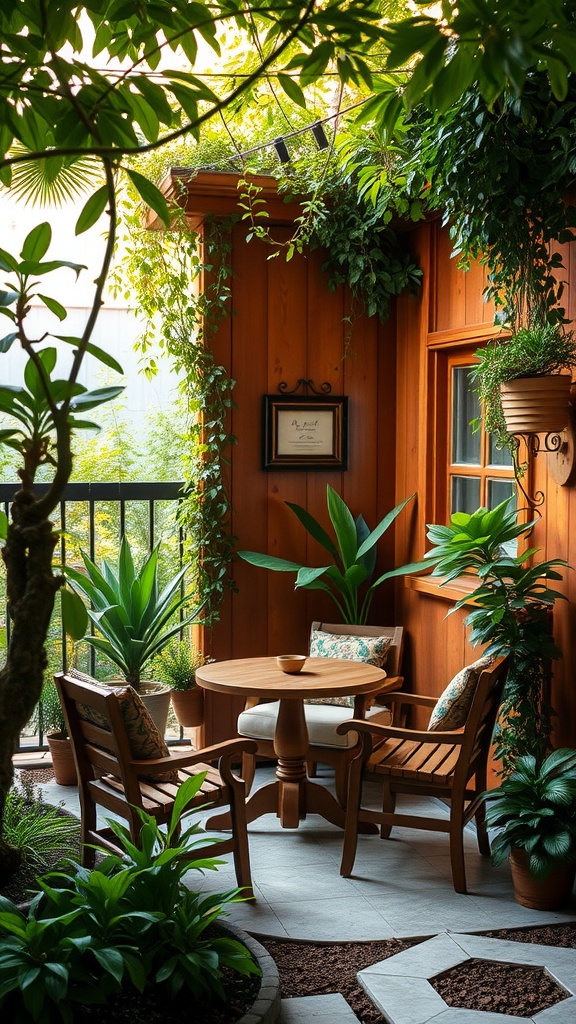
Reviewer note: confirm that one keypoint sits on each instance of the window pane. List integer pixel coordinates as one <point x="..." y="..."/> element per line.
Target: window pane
<point x="465" y="494"/>
<point x="465" y="407"/>
<point x="499" y="490"/>
<point x="497" y="457"/>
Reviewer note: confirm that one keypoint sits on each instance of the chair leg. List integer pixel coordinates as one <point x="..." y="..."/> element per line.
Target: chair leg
<point x="353" y="800"/>
<point x="248" y="770"/>
<point x="241" y="852"/>
<point x="341" y="782"/>
<point x="457" y="853"/>
<point x="87" y="829"/>
<point x="388" y="807"/>
<point x="481" y="831"/>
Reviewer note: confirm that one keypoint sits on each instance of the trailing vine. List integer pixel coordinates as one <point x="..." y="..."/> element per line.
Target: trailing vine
<point x="180" y="281"/>
<point x="501" y="175"/>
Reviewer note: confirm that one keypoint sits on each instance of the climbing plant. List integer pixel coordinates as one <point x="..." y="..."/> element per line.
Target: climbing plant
<point x="180" y="281"/>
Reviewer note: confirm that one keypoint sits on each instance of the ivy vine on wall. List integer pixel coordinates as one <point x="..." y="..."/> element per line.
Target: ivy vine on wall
<point x="179" y="280"/>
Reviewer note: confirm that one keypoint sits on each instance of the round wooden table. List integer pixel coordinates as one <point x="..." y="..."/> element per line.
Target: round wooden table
<point x="293" y="795"/>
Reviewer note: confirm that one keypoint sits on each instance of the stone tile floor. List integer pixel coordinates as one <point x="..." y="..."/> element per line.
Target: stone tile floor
<point x="401" y="887"/>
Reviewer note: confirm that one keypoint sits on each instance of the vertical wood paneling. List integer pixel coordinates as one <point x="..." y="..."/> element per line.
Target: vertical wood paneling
<point x="286" y="325"/>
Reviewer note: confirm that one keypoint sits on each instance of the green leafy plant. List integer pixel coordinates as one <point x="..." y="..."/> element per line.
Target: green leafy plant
<point x="38" y="830"/>
<point x="49" y="715"/>
<point x="534" y="810"/>
<point x="126" y="926"/>
<point x="510" y="614"/>
<point x="348" y="580"/>
<point x="530" y="352"/>
<point x="134" y="617"/>
<point x="176" y="665"/>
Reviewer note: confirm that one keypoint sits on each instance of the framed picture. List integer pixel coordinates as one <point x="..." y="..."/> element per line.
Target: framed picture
<point x="305" y="432"/>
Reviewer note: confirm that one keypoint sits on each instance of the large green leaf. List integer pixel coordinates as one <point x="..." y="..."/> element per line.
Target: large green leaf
<point x="383" y="525"/>
<point x="74" y="614"/>
<point x="269" y="561"/>
<point x="344" y="526"/>
<point x="314" y="528"/>
<point x="37" y="242"/>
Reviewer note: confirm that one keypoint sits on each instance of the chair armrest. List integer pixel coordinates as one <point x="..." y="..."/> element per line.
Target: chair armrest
<point x="416" y="699"/>
<point x="213" y="753"/>
<point x="392" y="732"/>
<point x="382" y="698"/>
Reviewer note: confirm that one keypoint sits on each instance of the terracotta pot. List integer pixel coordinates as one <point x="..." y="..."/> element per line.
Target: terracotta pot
<point x="550" y="893"/>
<point x="189" y="706"/>
<point x="536" y="405"/>
<point x="62" y="759"/>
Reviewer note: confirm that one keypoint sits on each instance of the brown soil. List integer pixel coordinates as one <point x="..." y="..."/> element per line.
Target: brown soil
<point x="498" y="987"/>
<point x="308" y="968"/>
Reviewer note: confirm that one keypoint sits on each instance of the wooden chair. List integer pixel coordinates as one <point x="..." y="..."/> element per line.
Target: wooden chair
<point x="109" y="776"/>
<point x="440" y="764"/>
<point x="327" y="746"/>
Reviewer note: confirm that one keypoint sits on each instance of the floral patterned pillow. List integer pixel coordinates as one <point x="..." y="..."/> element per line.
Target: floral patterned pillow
<point x="146" y="742"/>
<point x="454" y="703"/>
<point x="371" y="649"/>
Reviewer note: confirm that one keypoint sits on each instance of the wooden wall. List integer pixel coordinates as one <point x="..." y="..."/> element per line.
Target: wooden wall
<point x="286" y="325"/>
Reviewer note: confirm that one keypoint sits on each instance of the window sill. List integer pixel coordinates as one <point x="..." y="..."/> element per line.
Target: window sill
<point x="433" y="587"/>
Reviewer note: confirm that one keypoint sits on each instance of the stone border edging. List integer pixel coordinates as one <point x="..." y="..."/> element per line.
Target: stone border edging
<point x="266" y="1007"/>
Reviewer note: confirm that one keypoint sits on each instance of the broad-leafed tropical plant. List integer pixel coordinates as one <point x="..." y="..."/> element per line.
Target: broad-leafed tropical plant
<point x="128" y="926"/>
<point x="134" y="618"/>
<point x="348" y="580"/>
<point x="534" y="810"/>
<point x="510" y="614"/>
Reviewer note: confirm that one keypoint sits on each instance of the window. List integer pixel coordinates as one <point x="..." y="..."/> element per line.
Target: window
<point x="478" y="474"/>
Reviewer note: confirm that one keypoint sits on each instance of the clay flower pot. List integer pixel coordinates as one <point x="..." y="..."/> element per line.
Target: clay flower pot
<point x="62" y="758"/>
<point x="550" y="893"/>
<point x="189" y="706"/>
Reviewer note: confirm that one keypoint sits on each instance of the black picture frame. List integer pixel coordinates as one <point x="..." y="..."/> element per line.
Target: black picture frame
<point x="305" y="432"/>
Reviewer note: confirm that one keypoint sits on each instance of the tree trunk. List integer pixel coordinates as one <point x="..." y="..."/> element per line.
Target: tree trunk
<point x="31" y="588"/>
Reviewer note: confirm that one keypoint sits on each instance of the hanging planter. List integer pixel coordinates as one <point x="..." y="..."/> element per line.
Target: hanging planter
<point x="536" y="405"/>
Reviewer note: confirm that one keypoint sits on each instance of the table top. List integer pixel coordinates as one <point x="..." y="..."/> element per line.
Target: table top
<point x="326" y="677"/>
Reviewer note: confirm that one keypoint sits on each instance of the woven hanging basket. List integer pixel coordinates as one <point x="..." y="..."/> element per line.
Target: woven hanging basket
<point x="537" y="405"/>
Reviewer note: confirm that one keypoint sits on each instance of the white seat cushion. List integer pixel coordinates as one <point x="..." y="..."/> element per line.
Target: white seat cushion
<point x="259" y="723"/>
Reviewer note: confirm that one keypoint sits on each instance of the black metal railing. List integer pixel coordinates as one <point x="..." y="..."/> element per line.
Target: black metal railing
<point x="92" y="517"/>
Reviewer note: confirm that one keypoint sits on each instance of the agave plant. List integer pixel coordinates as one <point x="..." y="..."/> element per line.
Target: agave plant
<point x="348" y="579"/>
<point x="534" y="810"/>
<point x="133" y="618"/>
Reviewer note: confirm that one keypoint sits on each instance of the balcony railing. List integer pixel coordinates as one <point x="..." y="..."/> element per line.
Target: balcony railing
<point x="92" y="518"/>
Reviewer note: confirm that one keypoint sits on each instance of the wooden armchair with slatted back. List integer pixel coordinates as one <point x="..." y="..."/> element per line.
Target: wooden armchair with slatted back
<point x="104" y="736"/>
<point x="327" y="746"/>
<point x="449" y="764"/>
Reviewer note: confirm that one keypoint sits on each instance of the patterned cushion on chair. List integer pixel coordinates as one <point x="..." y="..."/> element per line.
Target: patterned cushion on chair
<point x="146" y="742"/>
<point x="454" y="703"/>
<point x="371" y="649"/>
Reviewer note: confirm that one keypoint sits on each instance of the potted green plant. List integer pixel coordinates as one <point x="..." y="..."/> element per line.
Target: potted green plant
<point x="128" y="933"/>
<point x="176" y="666"/>
<point x="511" y="614"/>
<point x="50" y="717"/>
<point x="533" y="812"/>
<point x="519" y="383"/>
<point x="134" y="619"/>
<point x="348" y="579"/>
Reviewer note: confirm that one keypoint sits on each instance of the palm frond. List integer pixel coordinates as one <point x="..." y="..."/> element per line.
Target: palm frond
<point x="53" y="181"/>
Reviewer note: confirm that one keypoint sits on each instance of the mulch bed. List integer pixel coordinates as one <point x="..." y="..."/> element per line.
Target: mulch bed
<point x="308" y="968"/>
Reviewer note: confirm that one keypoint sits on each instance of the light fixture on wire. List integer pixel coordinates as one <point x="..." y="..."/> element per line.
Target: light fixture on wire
<point x="319" y="135"/>
<point x="281" y="150"/>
